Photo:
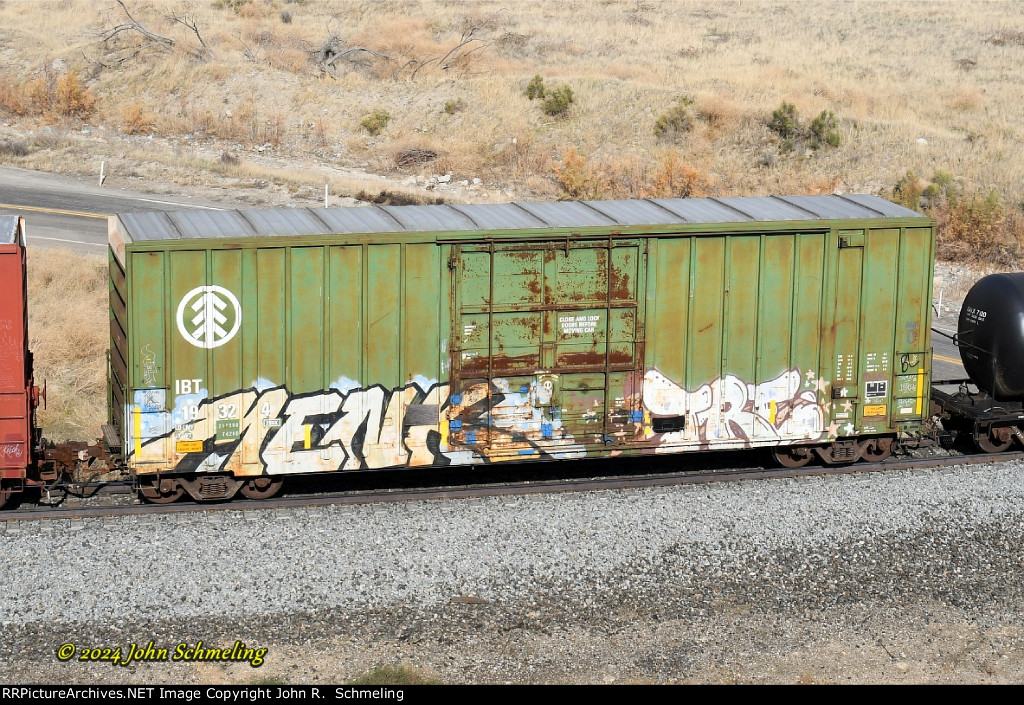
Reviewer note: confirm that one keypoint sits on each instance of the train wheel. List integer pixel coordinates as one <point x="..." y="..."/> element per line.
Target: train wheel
<point x="994" y="440"/>
<point x="875" y="450"/>
<point x="5" y="494"/>
<point x="261" y="487"/>
<point x="792" y="456"/>
<point x="163" y="491"/>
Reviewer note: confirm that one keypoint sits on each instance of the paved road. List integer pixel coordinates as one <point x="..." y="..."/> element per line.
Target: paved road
<point x="946" y="363"/>
<point x="70" y="213"/>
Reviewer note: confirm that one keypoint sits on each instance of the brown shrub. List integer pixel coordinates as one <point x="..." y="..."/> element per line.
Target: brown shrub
<point x="13" y="98"/>
<point x="414" y="156"/>
<point x="48" y="97"/>
<point x="821" y="185"/>
<point x="72" y="99"/>
<point x="628" y="177"/>
<point x="38" y="92"/>
<point x="135" y="120"/>
<point x="293" y="60"/>
<point x="575" y="176"/>
<point x="674" y="179"/>
<point x="973" y="227"/>
<point x="978" y="227"/>
<point x="519" y="157"/>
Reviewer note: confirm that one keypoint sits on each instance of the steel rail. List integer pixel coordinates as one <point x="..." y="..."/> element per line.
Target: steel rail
<point x="499" y="489"/>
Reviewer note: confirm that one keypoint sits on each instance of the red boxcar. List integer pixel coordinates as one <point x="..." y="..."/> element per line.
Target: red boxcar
<point x="18" y="396"/>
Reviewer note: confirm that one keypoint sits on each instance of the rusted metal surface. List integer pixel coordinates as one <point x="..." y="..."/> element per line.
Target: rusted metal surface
<point x="260" y="344"/>
<point x="73" y="459"/>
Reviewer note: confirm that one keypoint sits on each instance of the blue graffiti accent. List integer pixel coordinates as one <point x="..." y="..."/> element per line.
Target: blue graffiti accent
<point x="345" y="384"/>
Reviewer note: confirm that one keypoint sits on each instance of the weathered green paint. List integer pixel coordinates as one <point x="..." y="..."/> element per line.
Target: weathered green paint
<point x="423" y="348"/>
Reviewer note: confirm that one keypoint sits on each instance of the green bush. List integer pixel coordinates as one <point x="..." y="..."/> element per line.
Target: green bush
<point x="785" y="122"/>
<point x="375" y="122"/>
<point x="453" y="106"/>
<point x="554" y="101"/>
<point x="535" y="89"/>
<point x="824" y="130"/>
<point x="557" y="101"/>
<point x="915" y="193"/>
<point x="942" y="187"/>
<point x="675" y="120"/>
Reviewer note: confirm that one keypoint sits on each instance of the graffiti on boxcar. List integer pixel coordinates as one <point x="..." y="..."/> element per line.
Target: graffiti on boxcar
<point x="148" y="366"/>
<point x="13" y="451"/>
<point x="729" y="408"/>
<point x="328" y="430"/>
<point x="510" y="422"/>
<point x="346" y="428"/>
<point x="349" y="427"/>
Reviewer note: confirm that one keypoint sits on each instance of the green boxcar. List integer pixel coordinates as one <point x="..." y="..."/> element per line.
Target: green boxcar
<point x="273" y="342"/>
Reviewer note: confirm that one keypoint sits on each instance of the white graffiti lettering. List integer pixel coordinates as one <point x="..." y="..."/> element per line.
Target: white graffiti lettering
<point x="324" y="431"/>
<point x="268" y="430"/>
<point x="729" y="409"/>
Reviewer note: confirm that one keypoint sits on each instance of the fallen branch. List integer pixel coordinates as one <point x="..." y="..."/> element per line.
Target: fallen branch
<point x="189" y="21"/>
<point x="152" y="39"/>
<point x="133" y="25"/>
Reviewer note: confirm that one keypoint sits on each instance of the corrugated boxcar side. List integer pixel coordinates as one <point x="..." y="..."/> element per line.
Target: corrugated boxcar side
<point x="794" y="337"/>
<point x="118" y="314"/>
<point x="284" y="358"/>
<point x="303" y="353"/>
<point x="15" y="363"/>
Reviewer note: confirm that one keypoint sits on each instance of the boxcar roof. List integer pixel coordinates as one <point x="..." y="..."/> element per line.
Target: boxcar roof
<point x="176" y="225"/>
<point x="9" y="230"/>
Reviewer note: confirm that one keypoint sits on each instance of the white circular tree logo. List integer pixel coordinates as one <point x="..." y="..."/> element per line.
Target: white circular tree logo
<point x="209" y="316"/>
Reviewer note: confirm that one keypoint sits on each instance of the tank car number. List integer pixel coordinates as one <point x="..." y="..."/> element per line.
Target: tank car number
<point x="975" y="315"/>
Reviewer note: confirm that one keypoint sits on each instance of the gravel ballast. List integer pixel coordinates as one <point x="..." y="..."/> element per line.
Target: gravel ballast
<point x="907" y="576"/>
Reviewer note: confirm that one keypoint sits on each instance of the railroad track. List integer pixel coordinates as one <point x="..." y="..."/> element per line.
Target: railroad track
<point x="117" y="499"/>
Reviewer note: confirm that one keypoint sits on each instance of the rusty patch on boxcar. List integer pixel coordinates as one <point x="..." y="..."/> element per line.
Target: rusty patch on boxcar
<point x="525" y="255"/>
<point x="593" y="358"/>
<point x="620" y="286"/>
<point x="499" y="363"/>
<point x="588" y="358"/>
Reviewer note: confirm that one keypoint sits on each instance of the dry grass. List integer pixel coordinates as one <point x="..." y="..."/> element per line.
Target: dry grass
<point x="918" y="86"/>
<point x="68" y="336"/>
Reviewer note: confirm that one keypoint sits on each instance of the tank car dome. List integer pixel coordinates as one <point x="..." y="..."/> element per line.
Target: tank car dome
<point x="991" y="335"/>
